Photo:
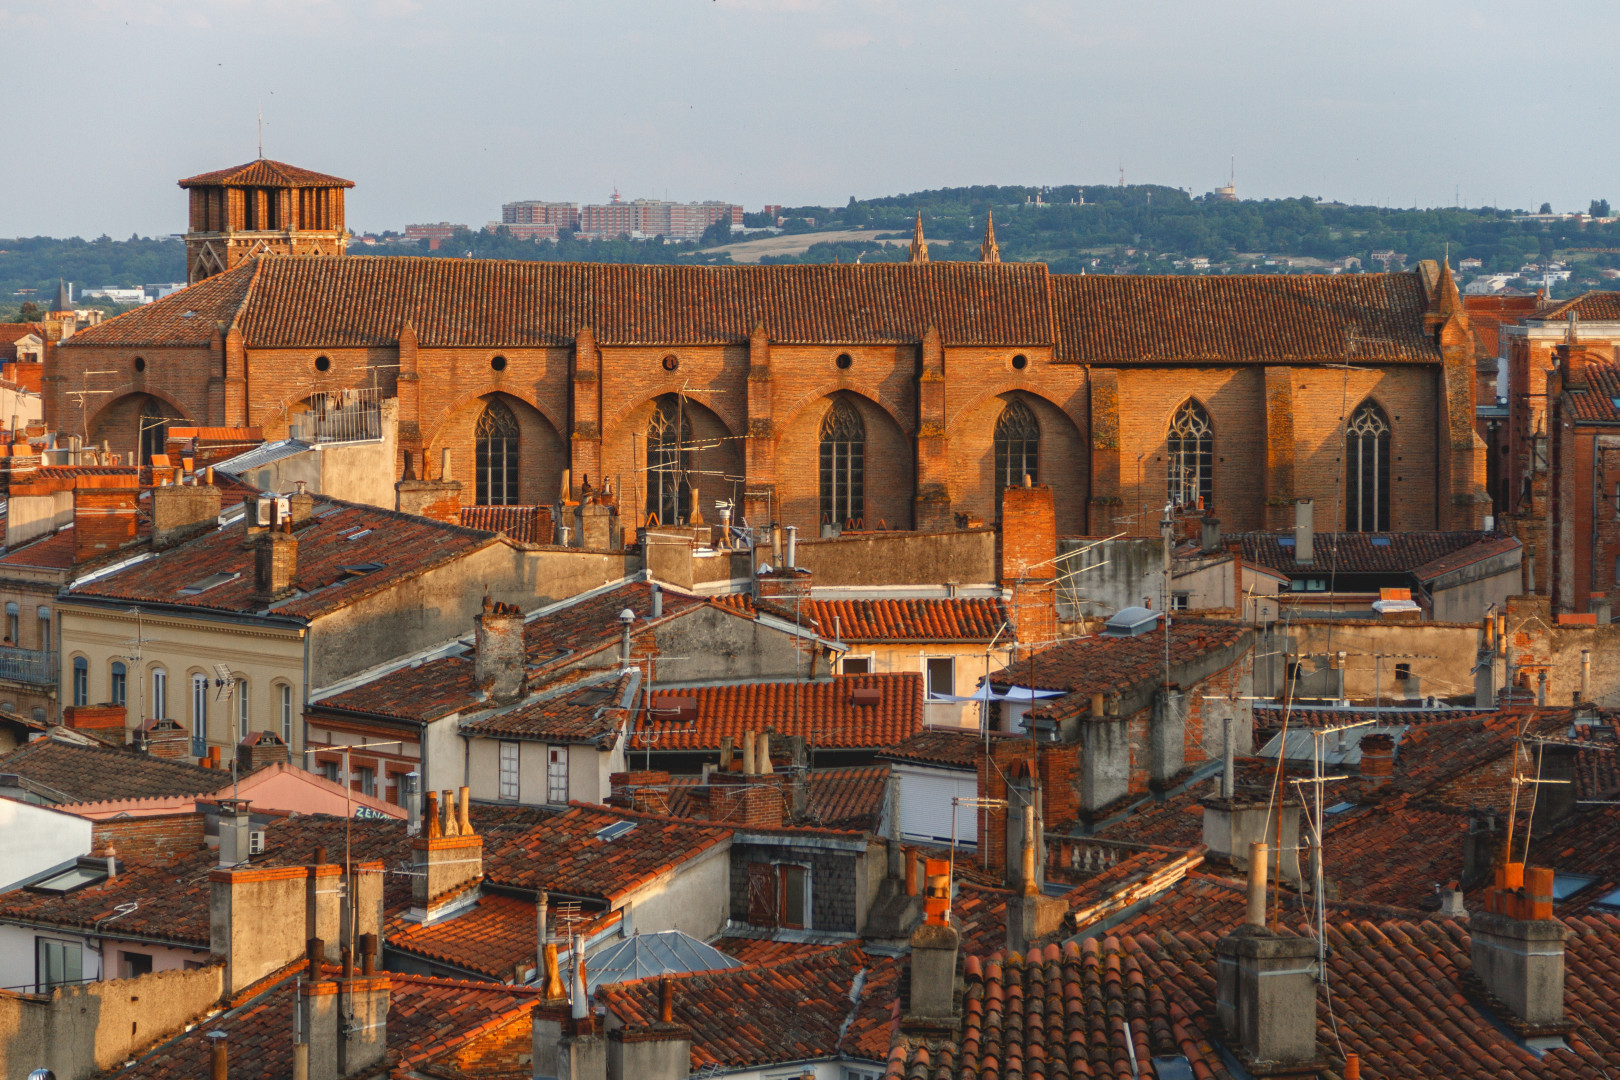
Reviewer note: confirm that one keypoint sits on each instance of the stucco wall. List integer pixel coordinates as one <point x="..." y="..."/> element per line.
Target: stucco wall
<point x="966" y="556"/>
<point x="1441" y="658"/>
<point x="17" y="954"/>
<point x="694" y="898"/>
<point x="36" y="839"/>
<point x="81" y="1031"/>
<point x="709" y="645"/>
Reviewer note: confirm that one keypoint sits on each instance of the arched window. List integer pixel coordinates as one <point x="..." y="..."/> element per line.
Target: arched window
<point x="843" y="466"/>
<point x="199" y="706"/>
<point x="154" y="431"/>
<point x="1018" y="440"/>
<point x="1192" y="457"/>
<point x="497" y="456"/>
<point x="669" y="463"/>
<point x="81" y="681"/>
<point x="1366" y="455"/>
<point x="120" y="683"/>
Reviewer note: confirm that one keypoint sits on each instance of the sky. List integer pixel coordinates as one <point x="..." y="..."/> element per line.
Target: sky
<point x="441" y="111"/>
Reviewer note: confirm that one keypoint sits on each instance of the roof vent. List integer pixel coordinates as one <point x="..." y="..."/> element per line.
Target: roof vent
<point x="1131" y="622"/>
<point x="866" y="695"/>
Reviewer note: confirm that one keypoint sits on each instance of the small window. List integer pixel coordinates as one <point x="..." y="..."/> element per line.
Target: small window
<point x="1020" y="362"/>
<point x="333" y="771"/>
<point x="1340" y="808"/>
<point x="160" y="694"/>
<point x="793" y="897"/>
<point x="510" y="752"/>
<point x="81" y="681"/>
<point x="671" y="363"/>
<point x="120" y="683"/>
<point x="131" y="964"/>
<point x="845" y="361"/>
<point x="557" y="775"/>
<point x="1403" y="672"/>
<point x="856" y="665"/>
<point x="941" y="676"/>
<point x="323" y="363"/>
<point x="1608" y="902"/>
<point x="1380" y="541"/>
<point x="286" y="714"/>
<point x="45" y="629"/>
<point x="1180" y="601"/>
<point x="365" y="781"/>
<point x="498" y="363"/>
<point x="13" y="627"/>
<point x="1567" y="885"/>
<point x="140" y="363"/>
<point x="243" y="711"/>
<point x="57" y="963"/>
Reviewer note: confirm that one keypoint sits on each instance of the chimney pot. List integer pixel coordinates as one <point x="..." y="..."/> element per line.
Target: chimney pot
<point x="1257" y="884"/>
<point x="218" y="1063"/>
<point x="1304" y="532"/>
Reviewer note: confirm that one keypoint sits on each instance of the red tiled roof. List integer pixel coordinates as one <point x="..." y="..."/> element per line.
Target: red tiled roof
<point x="264" y="173"/>
<point x="838" y="798"/>
<point x="757" y="951"/>
<point x="1400" y="1004"/>
<point x="521" y="523"/>
<point x="950" y="747"/>
<point x="99" y="773"/>
<point x="565" y="855"/>
<point x="969" y="619"/>
<point x="428" y="1019"/>
<point x="1424" y="554"/>
<point x="425" y="691"/>
<point x="53" y="552"/>
<point x="12" y="332"/>
<point x="1486" y="314"/>
<point x="1106" y="664"/>
<point x="790" y="1011"/>
<point x="1368" y="318"/>
<point x="1598" y="401"/>
<point x="823" y="712"/>
<point x="171" y="902"/>
<point x="576" y="709"/>
<point x="494" y="938"/>
<point x="1588" y="307"/>
<point x="186" y="317"/>
<point x="335" y="301"/>
<point x="401" y="545"/>
<point x="592" y="621"/>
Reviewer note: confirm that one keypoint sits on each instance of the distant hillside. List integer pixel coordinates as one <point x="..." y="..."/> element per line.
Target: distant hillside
<point x="1095" y="229"/>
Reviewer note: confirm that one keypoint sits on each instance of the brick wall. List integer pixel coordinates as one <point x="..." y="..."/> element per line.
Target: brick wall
<point x="151" y="839"/>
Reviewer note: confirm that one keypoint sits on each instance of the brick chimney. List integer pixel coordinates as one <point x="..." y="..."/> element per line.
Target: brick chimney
<point x="164" y="738"/>
<point x="103" y="515"/>
<point x="437" y="499"/>
<point x="498" y="663"/>
<point x="1377" y="760"/>
<point x="1265" y="997"/>
<point x="932" y="979"/>
<point x="94" y="717"/>
<point x="275" y="565"/>
<point x="1517" y="947"/>
<point x="1028" y="560"/>
<point x="260" y="749"/>
<point x="656" y="1051"/>
<point x="344" y="1020"/>
<point x="446" y="856"/>
<point x="180" y="511"/>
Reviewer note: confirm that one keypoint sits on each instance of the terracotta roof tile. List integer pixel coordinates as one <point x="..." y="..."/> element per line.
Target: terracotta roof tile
<point x="824" y="712"/>
<point x="524" y="524"/>
<point x="950" y="747"/>
<point x="793" y="1010"/>
<point x="1369" y="318"/>
<point x="494" y="938"/>
<point x="187" y="317"/>
<point x="1597" y="402"/>
<point x="336" y="301"/>
<point x="566" y="855"/>
<point x="1588" y="307"/>
<point x="344" y="555"/>
<point x="574" y="709"/>
<point x="757" y="951"/>
<point x="99" y="773"/>
<point x="1424" y="554"/>
<point x="847" y="799"/>
<point x="969" y="619"/>
<point x="265" y="173"/>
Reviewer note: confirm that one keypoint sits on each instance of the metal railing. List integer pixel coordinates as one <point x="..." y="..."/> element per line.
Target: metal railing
<point x="32" y="666"/>
<point x="341" y="416"/>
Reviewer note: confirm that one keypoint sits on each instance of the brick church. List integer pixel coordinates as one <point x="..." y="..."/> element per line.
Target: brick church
<point x="900" y="395"/>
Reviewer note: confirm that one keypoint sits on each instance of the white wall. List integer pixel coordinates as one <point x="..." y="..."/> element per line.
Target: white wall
<point x="925" y="803"/>
<point x="695" y="898"/>
<point x="34" y="839"/>
<point x="17" y="951"/>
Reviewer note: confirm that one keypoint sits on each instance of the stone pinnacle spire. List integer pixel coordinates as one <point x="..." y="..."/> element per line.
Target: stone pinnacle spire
<point x="989" y="251"/>
<point x="919" y="246"/>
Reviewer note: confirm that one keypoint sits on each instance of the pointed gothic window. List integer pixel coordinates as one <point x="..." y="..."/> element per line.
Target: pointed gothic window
<point x="154" y="431"/>
<point x="843" y="466"/>
<point x="1192" y="457"/>
<point x="669" y="462"/>
<point x="496" y="455"/>
<point x="1366" y="456"/>
<point x="1018" y="440"/>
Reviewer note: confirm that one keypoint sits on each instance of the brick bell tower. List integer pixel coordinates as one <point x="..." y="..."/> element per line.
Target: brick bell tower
<point x="261" y="208"/>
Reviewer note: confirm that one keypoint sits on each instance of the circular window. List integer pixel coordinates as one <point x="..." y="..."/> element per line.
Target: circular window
<point x="671" y="363"/>
<point x="498" y="363"/>
<point x="323" y="363"/>
<point x="140" y="363"/>
<point x="1020" y="362"/>
<point x="844" y="361"/>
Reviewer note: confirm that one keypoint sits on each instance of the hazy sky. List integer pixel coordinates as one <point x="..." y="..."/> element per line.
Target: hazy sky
<point x="444" y="110"/>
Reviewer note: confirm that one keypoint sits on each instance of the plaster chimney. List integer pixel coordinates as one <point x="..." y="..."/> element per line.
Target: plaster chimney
<point x="1304" y="532"/>
<point x="1210" y="535"/>
<point x="933" y="951"/>
<point x="498" y="666"/>
<point x="1517" y="946"/>
<point x="790" y="547"/>
<point x="235" y="831"/>
<point x="1266" y="985"/>
<point x="657" y="601"/>
<point x="627" y="619"/>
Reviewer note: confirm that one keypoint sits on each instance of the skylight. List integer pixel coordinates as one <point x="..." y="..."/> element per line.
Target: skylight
<point x="615" y="830"/>
<point x="1285" y="541"/>
<point x="207" y="583"/>
<point x="1611" y="902"/>
<point x="68" y="880"/>
<point x="1380" y="541"/>
<point x="1567" y="885"/>
<point x="357" y="569"/>
<point x="1340" y="808"/>
<point x="358" y="534"/>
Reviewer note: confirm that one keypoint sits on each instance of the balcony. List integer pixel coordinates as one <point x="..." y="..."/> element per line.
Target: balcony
<point x="340" y="416"/>
<point x="30" y="666"/>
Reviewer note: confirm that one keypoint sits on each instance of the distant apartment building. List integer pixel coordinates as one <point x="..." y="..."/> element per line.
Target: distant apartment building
<point x="434" y="234"/>
<point x="559" y="215"/>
